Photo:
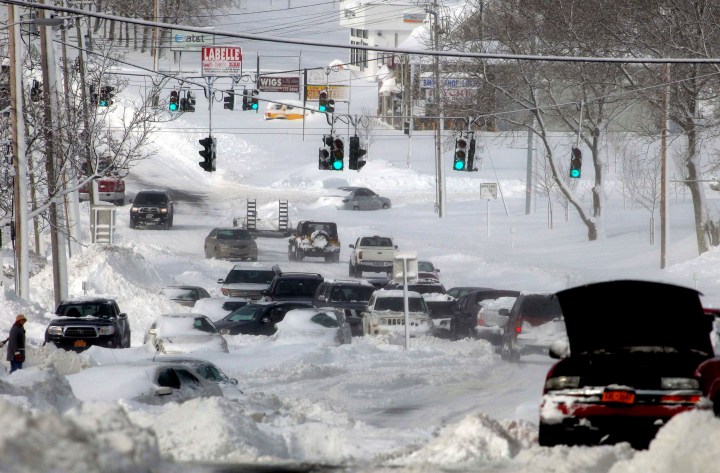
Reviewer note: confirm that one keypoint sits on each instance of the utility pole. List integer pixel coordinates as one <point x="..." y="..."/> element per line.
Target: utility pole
<point x="57" y="237"/>
<point x="440" y="195"/>
<point x="663" y="169"/>
<point x="19" y="150"/>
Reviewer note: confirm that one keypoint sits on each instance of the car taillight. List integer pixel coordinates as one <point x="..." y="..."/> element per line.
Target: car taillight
<point x="481" y="320"/>
<point x="681" y="399"/>
<point x="518" y="326"/>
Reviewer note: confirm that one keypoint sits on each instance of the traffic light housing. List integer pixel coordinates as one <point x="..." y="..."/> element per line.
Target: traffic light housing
<point x="254" y="99"/>
<point x="208" y="153"/>
<point x="246" y="100"/>
<point x="36" y="91"/>
<point x="229" y="100"/>
<point x="323" y="101"/>
<point x="575" y="163"/>
<point x="325" y="153"/>
<point x="105" y="96"/>
<point x="330" y="108"/>
<point x="461" y="154"/>
<point x="471" y="156"/>
<point x="337" y="160"/>
<point x="174" y="104"/>
<point x="355" y="161"/>
<point x="189" y="101"/>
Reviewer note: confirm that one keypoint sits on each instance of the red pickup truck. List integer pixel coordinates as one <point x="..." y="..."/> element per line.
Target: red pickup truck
<point x="110" y="189"/>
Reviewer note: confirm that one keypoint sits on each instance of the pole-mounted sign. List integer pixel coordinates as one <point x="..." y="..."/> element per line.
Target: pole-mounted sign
<point x="221" y="61"/>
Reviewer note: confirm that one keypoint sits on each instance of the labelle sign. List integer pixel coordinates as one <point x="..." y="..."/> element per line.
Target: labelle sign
<point x="221" y="61"/>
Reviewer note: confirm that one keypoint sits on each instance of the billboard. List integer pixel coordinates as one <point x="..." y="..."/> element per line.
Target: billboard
<point x="339" y="93"/>
<point x="221" y="61"/>
<point x="181" y="40"/>
<point x="278" y="84"/>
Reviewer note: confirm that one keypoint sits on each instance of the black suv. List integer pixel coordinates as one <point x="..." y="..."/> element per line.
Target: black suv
<point x="295" y="287"/>
<point x="257" y="319"/>
<point x="350" y="295"/>
<point x="152" y="208"/>
<point x="81" y="323"/>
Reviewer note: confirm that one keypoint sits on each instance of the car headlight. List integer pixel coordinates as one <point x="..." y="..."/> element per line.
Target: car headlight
<point x="562" y="382"/>
<point x="109" y="330"/>
<point x="134" y="209"/>
<point x="163" y="211"/>
<point x="55" y="330"/>
<point x="679" y="383"/>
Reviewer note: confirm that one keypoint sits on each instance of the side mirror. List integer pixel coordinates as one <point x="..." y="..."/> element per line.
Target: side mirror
<point x="220" y="281"/>
<point x="163" y="391"/>
<point x="351" y="246"/>
<point x="396" y="247"/>
<point x="122" y="316"/>
<point x="233" y="381"/>
<point x="152" y="331"/>
<point x="265" y="320"/>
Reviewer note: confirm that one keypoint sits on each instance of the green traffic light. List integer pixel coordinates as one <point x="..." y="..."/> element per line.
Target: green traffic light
<point x="337" y="165"/>
<point x="173" y="107"/>
<point x="575" y="173"/>
<point x="459" y="165"/>
<point x="103" y="103"/>
<point x="254" y="106"/>
<point x="322" y="108"/>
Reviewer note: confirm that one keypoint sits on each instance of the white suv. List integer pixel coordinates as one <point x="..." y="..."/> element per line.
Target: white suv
<point x="385" y="314"/>
<point x="248" y="280"/>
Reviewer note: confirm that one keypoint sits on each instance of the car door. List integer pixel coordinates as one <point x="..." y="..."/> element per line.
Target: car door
<point x="372" y="199"/>
<point x="210" y="242"/>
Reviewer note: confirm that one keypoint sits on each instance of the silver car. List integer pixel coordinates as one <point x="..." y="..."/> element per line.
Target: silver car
<point x="362" y="198"/>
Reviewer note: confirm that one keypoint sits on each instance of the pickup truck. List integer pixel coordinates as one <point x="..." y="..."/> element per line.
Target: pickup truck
<point x="373" y="254"/>
<point x="110" y="189"/>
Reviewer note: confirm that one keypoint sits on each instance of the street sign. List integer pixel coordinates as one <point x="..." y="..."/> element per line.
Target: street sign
<point x="181" y="40"/>
<point x="221" y="61"/>
<point x="336" y="77"/>
<point x="488" y="191"/>
<point x="339" y="93"/>
<point x="279" y="84"/>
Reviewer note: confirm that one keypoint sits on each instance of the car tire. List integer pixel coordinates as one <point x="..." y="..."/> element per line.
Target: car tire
<point x="166" y="224"/>
<point x="355" y="207"/>
<point x="329" y="258"/>
<point x="508" y="353"/>
<point x="385" y="206"/>
<point x="132" y="223"/>
<point x="299" y="255"/>
<point x="351" y="270"/>
<point x="291" y="253"/>
<point x="253" y="258"/>
<point x="716" y="405"/>
<point x="550" y="435"/>
<point x="336" y="258"/>
<point x="120" y="202"/>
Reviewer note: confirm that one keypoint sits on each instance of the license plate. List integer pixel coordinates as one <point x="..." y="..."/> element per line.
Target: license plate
<point x="80" y="343"/>
<point x="149" y="216"/>
<point x="622" y="397"/>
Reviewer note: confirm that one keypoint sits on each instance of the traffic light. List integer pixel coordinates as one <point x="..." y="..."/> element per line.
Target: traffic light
<point x="323" y="101"/>
<point x="246" y="100"/>
<point x="189" y="101"/>
<point x="355" y="161"/>
<point x="337" y="160"/>
<point x="208" y="153"/>
<point x="575" y="163"/>
<point x="330" y="108"/>
<point x="461" y="145"/>
<point x="174" y="104"/>
<point x="36" y="91"/>
<point x="229" y="100"/>
<point x="93" y="95"/>
<point x="325" y="153"/>
<point x="471" y="156"/>
<point x="254" y="100"/>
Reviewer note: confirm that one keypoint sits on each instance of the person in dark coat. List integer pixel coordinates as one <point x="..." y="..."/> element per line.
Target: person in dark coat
<point x="16" y="344"/>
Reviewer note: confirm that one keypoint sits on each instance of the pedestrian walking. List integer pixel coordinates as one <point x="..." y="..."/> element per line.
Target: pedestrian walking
<point x="16" y="343"/>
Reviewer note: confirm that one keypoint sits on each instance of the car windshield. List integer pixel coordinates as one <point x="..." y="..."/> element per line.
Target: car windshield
<point x="150" y="199"/>
<point x="425" y="267"/>
<point x="539" y="309"/>
<point x="250" y="276"/>
<point x="179" y="293"/>
<point x="297" y="287"/>
<point x="208" y="371"/>
<point x="232" y="234"/>
<point x="351" y="294"/>
<point x="245" y="313"/>
<point x="86" y="310"/>
<point x="376" y="241"/>
<point x="396" y="304"/>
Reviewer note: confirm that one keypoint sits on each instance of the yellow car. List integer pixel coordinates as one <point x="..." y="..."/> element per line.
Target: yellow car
<point x="281" y="111"/>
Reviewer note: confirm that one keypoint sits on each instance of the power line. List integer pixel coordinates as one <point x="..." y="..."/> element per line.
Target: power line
<point x="323" y="44"/>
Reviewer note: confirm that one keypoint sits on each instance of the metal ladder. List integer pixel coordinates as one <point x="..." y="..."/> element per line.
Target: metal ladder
<point x="283" y="220"/>
<point x="251" y="219"/>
